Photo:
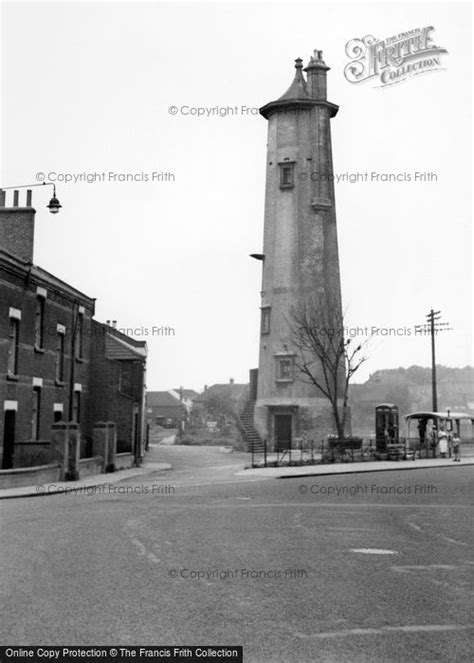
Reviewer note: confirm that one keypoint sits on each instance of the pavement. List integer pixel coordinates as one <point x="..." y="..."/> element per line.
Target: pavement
<point x="294" y="471"/>
<point x="151" y="465"/>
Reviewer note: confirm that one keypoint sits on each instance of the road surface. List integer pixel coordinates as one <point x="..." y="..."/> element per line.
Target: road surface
<point x="367" y="567"/>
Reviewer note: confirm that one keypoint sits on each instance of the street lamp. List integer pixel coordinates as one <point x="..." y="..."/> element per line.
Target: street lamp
<point x="54" y="205"/>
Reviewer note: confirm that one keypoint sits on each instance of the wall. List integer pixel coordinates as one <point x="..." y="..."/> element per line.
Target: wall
<point x="18" y="289"/>
<point x="107" y="402"/>
<point x="29" y="476"/>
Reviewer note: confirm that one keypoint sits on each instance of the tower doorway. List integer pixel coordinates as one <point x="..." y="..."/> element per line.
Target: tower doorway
<point x="283" y="427"/>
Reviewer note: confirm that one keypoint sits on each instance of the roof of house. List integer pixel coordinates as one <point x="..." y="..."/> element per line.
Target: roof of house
<point x="229" y="390"/>
<point x="121" y="349"/>
<point x="45" y="278"/>
<point x="162" y="399"/>
<point x="187" y="393"/>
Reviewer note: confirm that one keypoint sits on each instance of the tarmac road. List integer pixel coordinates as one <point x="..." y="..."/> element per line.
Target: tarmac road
<point x="366" y="567"/>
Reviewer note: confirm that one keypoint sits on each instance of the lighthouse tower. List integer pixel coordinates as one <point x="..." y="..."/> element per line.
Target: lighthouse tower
<point x="300" y="254"/>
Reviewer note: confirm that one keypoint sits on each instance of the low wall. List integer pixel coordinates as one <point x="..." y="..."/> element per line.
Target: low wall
<point x="124" y="461"/>
<point x="29" y="476"/>
<point x="33" y="454"/>
<point x="90" y="466"/>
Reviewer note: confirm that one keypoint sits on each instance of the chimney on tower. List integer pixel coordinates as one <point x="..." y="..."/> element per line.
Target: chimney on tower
<point x="17" y="226"/>
<point x="316" y="76"/>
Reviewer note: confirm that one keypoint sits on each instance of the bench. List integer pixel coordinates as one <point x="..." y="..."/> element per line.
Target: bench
<point x="347" y="446"/>
<point x="400" y="450"/>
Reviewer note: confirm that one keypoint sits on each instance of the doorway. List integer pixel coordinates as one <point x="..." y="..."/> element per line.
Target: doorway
<point x="9" y="422"/>
<point x="283" y="428"/>
<point x="136" y="432"/>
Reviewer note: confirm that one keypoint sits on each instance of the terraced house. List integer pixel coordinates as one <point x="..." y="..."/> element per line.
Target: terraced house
<point x="51" y="351"/>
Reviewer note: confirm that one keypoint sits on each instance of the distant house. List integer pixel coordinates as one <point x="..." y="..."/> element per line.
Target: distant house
<point x="163" y="405"/>
<point x="218" y="400"/>
<point x="186" y="397"/>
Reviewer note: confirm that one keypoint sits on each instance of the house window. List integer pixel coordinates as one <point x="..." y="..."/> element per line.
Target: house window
<point x="35" y="422"/>
<point x="14" y="337"/>
<point x="79" y="340"/>
<point x="285" y="369"/>
<point x="287" y="174"/>
<point x="57" y="412"/>
<point x="265" y="320"/>
<point x="60" y="354"/>
<point x="39" y="322"/>
<point x="126" y="378"/>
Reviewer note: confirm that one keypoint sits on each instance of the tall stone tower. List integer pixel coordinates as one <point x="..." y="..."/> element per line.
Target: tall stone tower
<point x="300" y="254"/>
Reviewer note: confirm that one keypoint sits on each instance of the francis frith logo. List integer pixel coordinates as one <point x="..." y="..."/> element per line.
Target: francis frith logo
<point x="393" y="60"/>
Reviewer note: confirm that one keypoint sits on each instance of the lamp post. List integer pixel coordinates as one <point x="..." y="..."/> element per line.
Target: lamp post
<point x="54" y="205"/>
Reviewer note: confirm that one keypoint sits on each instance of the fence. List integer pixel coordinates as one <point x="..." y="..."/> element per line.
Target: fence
<point x="331" y="450"/>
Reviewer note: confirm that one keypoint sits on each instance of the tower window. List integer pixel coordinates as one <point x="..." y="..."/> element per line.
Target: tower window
<point x="287" y="174"/>
<point x="265" y="320"/>
<point x="285" y="369"/>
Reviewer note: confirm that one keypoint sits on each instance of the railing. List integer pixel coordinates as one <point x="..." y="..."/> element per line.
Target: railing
<point x="303" y="453"/>
<point x="313" y="452"/>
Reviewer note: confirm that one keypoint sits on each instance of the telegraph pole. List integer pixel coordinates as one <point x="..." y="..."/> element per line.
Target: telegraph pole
<point x="432" y="326"/>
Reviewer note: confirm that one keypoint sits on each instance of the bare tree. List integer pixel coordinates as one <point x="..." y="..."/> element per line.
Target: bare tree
<point x="325" y="357"/>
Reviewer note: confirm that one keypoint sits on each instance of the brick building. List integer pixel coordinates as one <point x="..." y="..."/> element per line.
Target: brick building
<point x="54" y="357"/>
<point x="117" y="386"/>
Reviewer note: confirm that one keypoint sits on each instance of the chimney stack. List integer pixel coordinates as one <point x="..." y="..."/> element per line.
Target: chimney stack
<point x="17" y="226"/>
<point x="316" y="76"/>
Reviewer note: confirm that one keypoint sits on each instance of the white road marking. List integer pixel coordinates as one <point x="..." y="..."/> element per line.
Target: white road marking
<point x="421" y="628"/>
<point x="429" y="567"/>
<point x="458" y="543"/>
<point x="373" y="551"/>
<point x="142" y="551"/>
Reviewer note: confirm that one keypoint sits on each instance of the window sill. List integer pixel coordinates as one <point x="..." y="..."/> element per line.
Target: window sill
<point x="284" y="380"/>
<point x="287" y="186"/>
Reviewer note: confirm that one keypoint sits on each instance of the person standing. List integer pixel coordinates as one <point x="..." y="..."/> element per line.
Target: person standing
<point x="456" y="449"/>
<point x="443" y="442"/>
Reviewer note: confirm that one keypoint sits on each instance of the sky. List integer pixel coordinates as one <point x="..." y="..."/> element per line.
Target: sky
<point x="102" y="90"/>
